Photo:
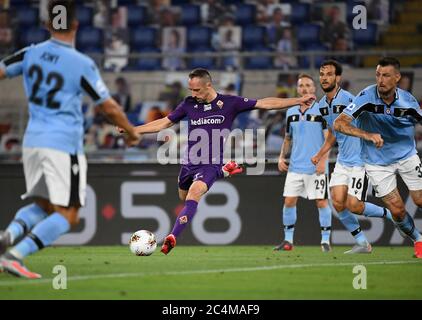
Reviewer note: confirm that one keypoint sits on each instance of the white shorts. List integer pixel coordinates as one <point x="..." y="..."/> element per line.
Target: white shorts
<point x="55" y="175"/>
<point x="310" y="186"/>
<point x="355" y="178"/>
<point x="384" y="180"/>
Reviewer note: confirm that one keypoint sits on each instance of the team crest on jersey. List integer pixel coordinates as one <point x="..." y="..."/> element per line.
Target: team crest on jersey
<point x="183" y="219"/>
<point x="220" y="104"/>
<point x="195" y="106"/>
<point x="207" y="107"/>
<point x="387" y="111"/>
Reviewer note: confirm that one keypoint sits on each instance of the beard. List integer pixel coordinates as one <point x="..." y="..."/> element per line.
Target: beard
<point x="328" y="89"/>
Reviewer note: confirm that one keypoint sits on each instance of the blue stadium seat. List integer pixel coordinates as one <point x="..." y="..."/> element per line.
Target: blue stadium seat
<point x="253" y="36"/>
<point x="32" y="35"/>
<point x="308" y="33"/>
<point x="300" y="13"/>
<point x="85" y="16"/>
<point x="27" y="16"/>
<point x="190" y="15"/>
<point x="245" y="14"/>
<point x="136" y="16"/>
<point x="304" y="61"/>
<point x="259" y="61"/>
<point x="366" y="37"/>
<point x="199" y="36"/>
<point x="143" y="38"/>
<point x="90" y="39"/>
<point x="202" y="61"/>
<point x="148" y="63"/>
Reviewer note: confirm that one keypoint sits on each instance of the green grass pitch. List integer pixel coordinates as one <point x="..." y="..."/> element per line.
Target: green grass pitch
<point x="219" y="272"/>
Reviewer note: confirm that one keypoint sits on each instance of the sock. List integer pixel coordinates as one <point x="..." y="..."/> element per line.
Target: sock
<point x="184" y="217"/>
<point x="372" y="210"/>
<point x="25" y="219"/>
<point x="351" y="223"/>
<point x="289" y="221"/>
<point x="325" y="222"/>
<point x="44" y="234"/>
<point x="407" y="226"/>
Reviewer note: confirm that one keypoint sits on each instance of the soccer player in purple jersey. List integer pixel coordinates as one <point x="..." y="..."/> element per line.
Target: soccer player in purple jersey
<point x="207" y="111"/>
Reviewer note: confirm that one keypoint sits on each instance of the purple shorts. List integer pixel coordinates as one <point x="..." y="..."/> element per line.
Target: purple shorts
<point x="206" y="173"/>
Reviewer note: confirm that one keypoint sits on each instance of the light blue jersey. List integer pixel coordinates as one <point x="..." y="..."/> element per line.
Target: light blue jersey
<point x="349" y="148"/>
<point x="306" y="131"/>
<point x="55" y="77"/>
<point x="395" y="122"/>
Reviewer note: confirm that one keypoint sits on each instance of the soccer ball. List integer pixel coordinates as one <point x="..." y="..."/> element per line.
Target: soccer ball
<point x="142" y="243"/>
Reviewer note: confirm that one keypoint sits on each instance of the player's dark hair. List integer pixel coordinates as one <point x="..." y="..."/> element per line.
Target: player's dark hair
<point x="200" y="73"/>
<point x="337" y="66"/>
<point x="389" y="61"/>
<point x="305" y="75"/>
<point x="70" y="13"/>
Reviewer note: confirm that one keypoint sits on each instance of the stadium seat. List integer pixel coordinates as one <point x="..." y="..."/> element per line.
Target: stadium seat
<point x="199" y="36"/>
<point x="366" y="37"/>
<point x="179" y="2"/>
<point x="85" y="16"/>
<point x="33" y="35"/>
<point x="190" y="15"/>
<point x="259" y="61"/>
<point x="27" y="16"/>
<point x="143" y="38"/>
<point x="304" y="61"/>
<point x="202" y="61"/>
<point x="253" y="37"/>
<point x="136" y="16"/>
<point x="308" y="33"/>
<point x="245" y="14"/>
<point x="148" y="63"/>
<point x="300" y="13"/>
<point x="90" y="39"/>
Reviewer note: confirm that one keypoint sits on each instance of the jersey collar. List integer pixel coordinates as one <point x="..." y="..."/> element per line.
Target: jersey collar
<point x="62" y="43"/>
<point x="396" y="96"/>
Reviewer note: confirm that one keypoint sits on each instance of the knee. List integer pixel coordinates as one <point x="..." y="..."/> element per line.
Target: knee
<point x="196" y="191"/>
<point x="322" y="204"/>
<point x="418" y="202"/>
<point x="71" y="215"/>
<point x="339" y="205"/>
<point x="355" y="206"/>
<point x="289" y="202"/>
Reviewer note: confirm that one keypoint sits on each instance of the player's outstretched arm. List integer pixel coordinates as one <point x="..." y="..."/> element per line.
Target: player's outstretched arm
<point x="344" y="125"/>
<point x="114" y="112"/>
<point x="154" y="126"/>
<point x="282" y="103"/>
<point x="330" y="140"/>
<point x="2" y="74"/>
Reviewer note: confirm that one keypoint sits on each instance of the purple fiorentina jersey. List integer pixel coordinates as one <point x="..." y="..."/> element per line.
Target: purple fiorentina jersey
<point x="209" y="124"/>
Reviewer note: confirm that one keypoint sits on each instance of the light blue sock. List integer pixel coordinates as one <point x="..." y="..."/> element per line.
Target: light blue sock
<point x="372" y="210"/>
<point x="289" y="221"/>
<point x="43" y="235"/>
<point x="25" y="219"/>
<point x="351" y="223"/>
<point x="407" y="226"/>
<point x="325" y="223"/>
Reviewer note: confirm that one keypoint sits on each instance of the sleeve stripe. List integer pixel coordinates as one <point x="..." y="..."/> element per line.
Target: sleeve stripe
<point x="18" y="57"/>
<point x="89" y="89"/>
<point x="401" y="112"/>
<point x="369" y="107"/>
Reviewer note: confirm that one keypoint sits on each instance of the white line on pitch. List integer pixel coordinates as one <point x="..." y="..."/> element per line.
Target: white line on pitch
<point x="188" y="272"/>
